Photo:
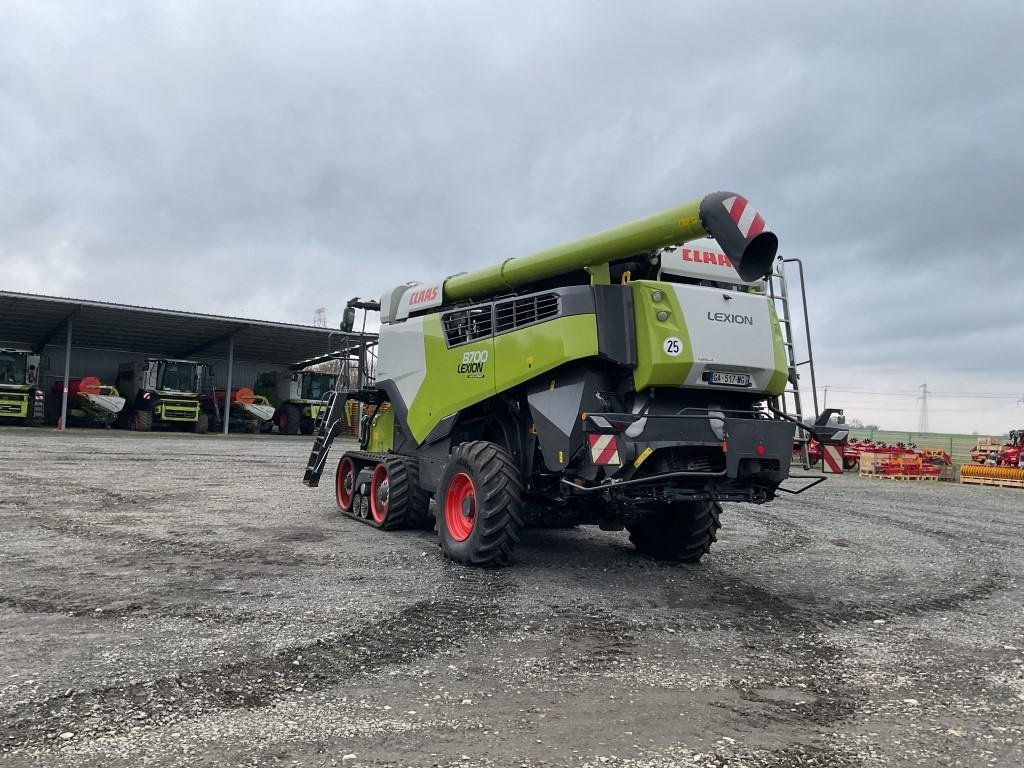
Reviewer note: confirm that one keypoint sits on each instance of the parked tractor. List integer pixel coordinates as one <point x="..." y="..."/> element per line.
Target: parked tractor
<point x="161" y="392"/>
<point x="90" y="402"/>
<point x="22" y="399"/>
<point x="297" y="396"/>
<point x="601" y="382"/>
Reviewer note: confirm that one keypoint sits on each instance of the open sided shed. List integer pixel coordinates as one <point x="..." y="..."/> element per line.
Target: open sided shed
<point x="93" y="337"/>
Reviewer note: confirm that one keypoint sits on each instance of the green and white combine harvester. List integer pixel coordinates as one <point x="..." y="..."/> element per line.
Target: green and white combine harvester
<point x="618" y="380"/>
<point x="22" y="399"/>
<point x="160" y="392"/>
<point x="298" y="395"/>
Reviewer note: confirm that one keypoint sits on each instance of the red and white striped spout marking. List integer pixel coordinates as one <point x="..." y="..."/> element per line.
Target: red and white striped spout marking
<point x="745" y="216"/>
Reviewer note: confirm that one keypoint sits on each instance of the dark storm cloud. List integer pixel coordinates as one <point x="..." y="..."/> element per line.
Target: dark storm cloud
<point x="266" y="160"/>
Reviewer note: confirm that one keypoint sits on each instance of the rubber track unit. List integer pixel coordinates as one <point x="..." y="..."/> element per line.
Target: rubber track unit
<point x="499" y="516"/>
<point x="407" y="503"/>
<point x="681" y="531"/>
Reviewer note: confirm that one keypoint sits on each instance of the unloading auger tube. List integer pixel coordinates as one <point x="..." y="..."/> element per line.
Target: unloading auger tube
<point x="725" y="216"/>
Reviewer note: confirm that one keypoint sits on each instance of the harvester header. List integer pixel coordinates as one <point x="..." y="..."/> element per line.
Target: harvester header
<point x="726" y="217"/>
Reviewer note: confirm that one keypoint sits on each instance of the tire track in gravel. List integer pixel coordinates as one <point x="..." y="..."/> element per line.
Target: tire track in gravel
<point x="209" y="551"/>
<point x="472" y="606"/>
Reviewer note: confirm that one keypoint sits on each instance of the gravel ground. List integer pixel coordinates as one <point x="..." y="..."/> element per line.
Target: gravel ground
<point x="182" y="600"/>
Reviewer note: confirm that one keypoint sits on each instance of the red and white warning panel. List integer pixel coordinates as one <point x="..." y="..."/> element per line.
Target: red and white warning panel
<point x="832" y="459"/>
<point x="604" y="450"/>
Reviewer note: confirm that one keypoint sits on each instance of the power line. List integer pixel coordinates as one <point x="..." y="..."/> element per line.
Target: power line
<point x="915" y="393"/>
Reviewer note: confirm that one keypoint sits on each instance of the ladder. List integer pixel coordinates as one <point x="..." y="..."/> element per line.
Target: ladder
<point x="790" y="401"/>
<point x="356" y="373"/>
<point x="328" y="425"/>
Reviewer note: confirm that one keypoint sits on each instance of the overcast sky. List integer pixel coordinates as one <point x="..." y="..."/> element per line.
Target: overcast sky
<point x="265" y="159"/>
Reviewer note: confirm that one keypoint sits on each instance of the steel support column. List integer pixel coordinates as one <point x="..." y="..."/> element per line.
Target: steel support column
<point x="67" y="377"/>
<point x="226" y="413"/>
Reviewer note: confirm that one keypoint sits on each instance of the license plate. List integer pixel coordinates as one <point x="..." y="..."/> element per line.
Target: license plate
<point x="731" y="379"/>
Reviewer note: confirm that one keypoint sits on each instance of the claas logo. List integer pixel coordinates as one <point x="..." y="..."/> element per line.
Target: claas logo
<point x="427" y="294"/>
<point x="705" y="257"/>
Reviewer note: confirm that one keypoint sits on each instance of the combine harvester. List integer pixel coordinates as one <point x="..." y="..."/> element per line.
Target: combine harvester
<point x="22" y="399"/>
<point x="619" y="380"/>
<point x="1002" y="468"/>
<point x="90" y="402"/>
<point x="297" y="396"/>
<point x="161" y="392"/>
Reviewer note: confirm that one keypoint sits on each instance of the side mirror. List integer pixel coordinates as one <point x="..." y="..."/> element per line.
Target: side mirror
<point x="348" y="319"/>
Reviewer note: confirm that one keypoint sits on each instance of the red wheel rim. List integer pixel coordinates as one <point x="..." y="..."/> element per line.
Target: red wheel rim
<point x="460" y="507"/>
<point x="379" y="491"/>
<point x="345" y="483"/>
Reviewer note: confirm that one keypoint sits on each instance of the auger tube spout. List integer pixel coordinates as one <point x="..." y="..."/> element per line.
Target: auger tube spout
<point x="725" y="216"/>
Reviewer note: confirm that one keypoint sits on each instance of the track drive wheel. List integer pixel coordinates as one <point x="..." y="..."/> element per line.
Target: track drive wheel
<point x="680" y="530"/>
<point x="479" y="505"/>
<point x="289" y="419"/>
<point x="345" y="483"/>
<point x="202" y="424"/>
<point x="396" y="500"/>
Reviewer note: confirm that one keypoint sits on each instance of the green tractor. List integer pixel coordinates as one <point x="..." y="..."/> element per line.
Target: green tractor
<point x="298" y="396"/>
<point x="22" y="399"/>
<point x="160" y="392"/>
<point x="616" y="380"/>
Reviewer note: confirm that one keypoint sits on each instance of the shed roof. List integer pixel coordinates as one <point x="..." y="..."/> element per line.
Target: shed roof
<point x="36" y="320"/>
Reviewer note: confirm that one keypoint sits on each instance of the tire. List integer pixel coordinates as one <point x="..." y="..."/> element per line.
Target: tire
<point x="479" y="505"/>
<point x="202" y="424"/>
<point x="289" y="419"/>
<point x="850" y="463"/>
<point x="141" y="421"/>
<point x="307" y="426"/>
<point x="682" y="530"/>
<point x="345" y="484"/>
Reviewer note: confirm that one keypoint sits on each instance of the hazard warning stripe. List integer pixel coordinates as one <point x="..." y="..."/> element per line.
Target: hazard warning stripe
<point x="831" y="456"/>
<point x="604" y="449"/>
<point x="746" y="218"/>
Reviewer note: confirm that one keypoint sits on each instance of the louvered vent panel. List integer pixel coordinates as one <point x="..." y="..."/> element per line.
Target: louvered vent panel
<point x="517" y="313"/>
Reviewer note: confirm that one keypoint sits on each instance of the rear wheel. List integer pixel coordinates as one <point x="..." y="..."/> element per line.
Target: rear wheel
<point x="202" y="423"/>
<point x="289" y="420"/>
<point x="479" y="505"/>
<point x="681" y="530"/>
